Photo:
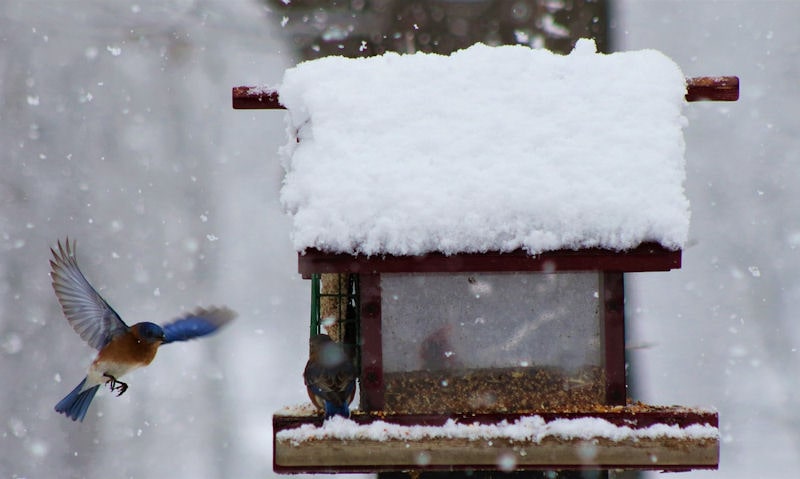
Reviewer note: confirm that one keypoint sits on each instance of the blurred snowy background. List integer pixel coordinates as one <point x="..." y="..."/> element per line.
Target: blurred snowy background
<point x="116" y="129"/>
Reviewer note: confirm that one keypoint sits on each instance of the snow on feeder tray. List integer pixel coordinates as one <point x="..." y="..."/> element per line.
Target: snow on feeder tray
<point x="466" y="222"/>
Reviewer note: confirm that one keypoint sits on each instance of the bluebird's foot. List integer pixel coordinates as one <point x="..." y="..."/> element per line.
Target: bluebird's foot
<point x="115" y="385"/>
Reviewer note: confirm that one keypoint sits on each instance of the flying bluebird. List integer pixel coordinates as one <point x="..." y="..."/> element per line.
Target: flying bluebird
<point x="330" y="376"/>
<point x="121" y="348"/>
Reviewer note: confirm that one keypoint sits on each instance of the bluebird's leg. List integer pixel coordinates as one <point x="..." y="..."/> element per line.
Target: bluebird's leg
<point x="116" y="385"/>
<point x="76" y="403"/>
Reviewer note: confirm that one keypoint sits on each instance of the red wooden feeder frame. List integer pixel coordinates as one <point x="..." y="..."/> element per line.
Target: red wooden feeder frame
<point x="353" y="456"/>
<point x="647" y="257"/>
<point x="724" y="88"/>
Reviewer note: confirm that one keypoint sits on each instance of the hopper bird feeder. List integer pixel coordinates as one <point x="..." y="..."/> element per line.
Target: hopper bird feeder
<point x="466" y="223"/>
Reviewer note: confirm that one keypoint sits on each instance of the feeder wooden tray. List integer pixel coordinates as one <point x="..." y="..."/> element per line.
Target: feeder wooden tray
<point x="689" y="440"/>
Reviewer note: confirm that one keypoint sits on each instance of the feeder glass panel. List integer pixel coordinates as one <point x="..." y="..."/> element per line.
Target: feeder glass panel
<point x="501" y="342"/>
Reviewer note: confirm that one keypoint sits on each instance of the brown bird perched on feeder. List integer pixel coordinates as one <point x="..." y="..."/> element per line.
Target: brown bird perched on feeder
<point x="330" y="376"/>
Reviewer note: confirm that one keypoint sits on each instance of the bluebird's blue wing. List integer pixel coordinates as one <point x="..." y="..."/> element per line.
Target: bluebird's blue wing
<point x="200" y="323"/>
<point x="86" y="311"/>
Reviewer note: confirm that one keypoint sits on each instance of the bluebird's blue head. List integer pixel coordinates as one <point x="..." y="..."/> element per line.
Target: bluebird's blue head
<point x="150" y="332"/>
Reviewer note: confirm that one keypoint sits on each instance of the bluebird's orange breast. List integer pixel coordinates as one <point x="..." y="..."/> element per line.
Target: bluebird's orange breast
<point x="128" y="348"/>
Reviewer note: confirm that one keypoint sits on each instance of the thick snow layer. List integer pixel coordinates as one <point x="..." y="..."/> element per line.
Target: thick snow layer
<point x="490" y="148"/>
<point x="529" y="428"/>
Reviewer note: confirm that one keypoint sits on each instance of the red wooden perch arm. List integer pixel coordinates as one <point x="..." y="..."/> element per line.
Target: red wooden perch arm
<point x="697" y="89"/>
<point x="253" y="98"/>
<point x="712" y="88"/>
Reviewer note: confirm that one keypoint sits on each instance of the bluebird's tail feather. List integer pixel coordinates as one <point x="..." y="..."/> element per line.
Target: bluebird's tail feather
<point x="76" y="403"/>
<point x="332" y="409"/>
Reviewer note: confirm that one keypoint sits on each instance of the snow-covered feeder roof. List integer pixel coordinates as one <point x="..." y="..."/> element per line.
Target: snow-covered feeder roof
<point x="488" y="149"/>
